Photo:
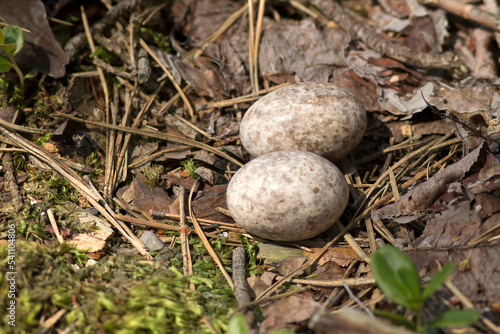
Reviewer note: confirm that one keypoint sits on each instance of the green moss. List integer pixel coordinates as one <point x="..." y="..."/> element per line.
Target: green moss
<point x="159" y="39"/>
<point x="120" y="294"/>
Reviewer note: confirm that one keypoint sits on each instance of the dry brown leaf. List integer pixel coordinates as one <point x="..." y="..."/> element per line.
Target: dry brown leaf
<point x="343" y="256"/>
<point x="445" y="239"/>
<point x="423" y="195"/>
<point x="286" y="312"/>
<point x="141" y="197"/>
<point x="41" y="50"/>
<point x="301" y="49"/>
<point x="289" y="264"/>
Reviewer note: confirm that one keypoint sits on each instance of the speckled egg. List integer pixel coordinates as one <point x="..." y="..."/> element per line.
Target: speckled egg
<point x="318" y="117"/>
<point x="287" y="195"/>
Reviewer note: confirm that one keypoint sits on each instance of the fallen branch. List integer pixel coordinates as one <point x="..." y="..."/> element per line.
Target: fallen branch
<point x="366" y="34"/>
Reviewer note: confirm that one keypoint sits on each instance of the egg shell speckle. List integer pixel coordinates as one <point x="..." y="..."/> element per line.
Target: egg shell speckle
<point x="318" y="117"/>
<point x="287" y="195"/>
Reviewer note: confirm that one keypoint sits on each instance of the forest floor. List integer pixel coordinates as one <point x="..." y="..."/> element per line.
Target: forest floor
<point x="119" y="125"/>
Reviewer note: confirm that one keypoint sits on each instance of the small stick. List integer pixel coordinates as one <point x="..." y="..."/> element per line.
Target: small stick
<point x="468" y="12"/>
<point x="128" y="136"/>
<point x="187" y="264"/>
<point x="240" y="282"/>
<point x="76" y="181"/>
<point x="251" y="47"/>
<point x="102" y="78"/>
<point x="158" y="135"/>
<point x="204" y="239"/>
<point x="353" y="281"/>
<point x="53" y="222"/>
<point x="241" y="99"/>
<point x="197" y="51"/>
<point x="357" y="300"/>
<point x="10" y="180"/>
<point x="170" y="77"/>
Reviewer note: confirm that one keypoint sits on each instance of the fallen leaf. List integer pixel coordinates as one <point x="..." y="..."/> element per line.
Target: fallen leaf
<point x="289" y="264"/>
<point x="424" y="194"/>
<point x="142" y="198"/>
<point x="288" y="311"/>
<point x="342" y="256"/>
<point x="41" y="50"/>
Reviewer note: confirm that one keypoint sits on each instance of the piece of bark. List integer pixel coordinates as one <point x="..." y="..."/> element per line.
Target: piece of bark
<point x="376" y="42"/>
<point x="240" y="282"/>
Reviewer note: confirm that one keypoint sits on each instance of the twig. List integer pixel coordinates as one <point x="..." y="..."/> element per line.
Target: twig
<point x="102" y="78"/>
<point x="10" y="179"/>
<point x="154" y="224"/>
<point x="74" y="46"/>
<point x="53" y="223"/>
<point x="75" y="180"/>
<point x="153" y="156"/>
<point x="251" y="47"/>
<point x="197" y="51"/>
<point x="357" y="300"/>
<point x="242" y="99"/>
<point x="128" y="136"/>
<point x="354" y="245"/>
<point x="424" y="149"/>
<point x="204" y="239"/>
<point x="110" y="147"/>
<point x="240" y="282"/>
<point x="158" y="135"/>
<point x="47" y="324"/>
<point x="354" y="281"/>
<point x="467" y="303"/>
<point x="468" y="12"/>
<point x="20" y="128"/>
<point x="187" y="264"/>
<point x="170" y="77"/>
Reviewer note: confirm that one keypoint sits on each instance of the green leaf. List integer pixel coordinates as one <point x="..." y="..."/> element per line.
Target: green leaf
<point x="8" y="47"/>
<point x="14" y="35"/>
<point x="2" y="39"/>
<point x="396" y="318"/>
<point x="456" y="318"/>
<point x="397" y="276"/>
<point x="438" y="280"/>
<point x="31" y="74"/>
<point x="237" y="324"/>
<point x="5" y="64"/>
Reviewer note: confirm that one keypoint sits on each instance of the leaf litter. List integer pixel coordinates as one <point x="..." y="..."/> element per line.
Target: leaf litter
<point x="422" y="179"/>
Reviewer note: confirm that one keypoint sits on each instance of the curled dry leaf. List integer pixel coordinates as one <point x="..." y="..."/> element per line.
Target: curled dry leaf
<point x="423" y="195"/>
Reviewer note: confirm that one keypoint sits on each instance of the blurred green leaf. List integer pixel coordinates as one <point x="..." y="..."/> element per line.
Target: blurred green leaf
<point x="396" y="318"/>
<point x="8" y="47"/>
<point x="14" y="35"/>
<point x="237" y="324"/>
<point x="5" y="64"/>
<point x="31" y="74"/>
<point x="397" y="277"/>
<point x="438" y="280"/>
<point x="456" y="318"/>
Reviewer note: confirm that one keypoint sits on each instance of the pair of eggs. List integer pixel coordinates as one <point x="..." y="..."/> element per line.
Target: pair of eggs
<point x="291" y="190"/>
